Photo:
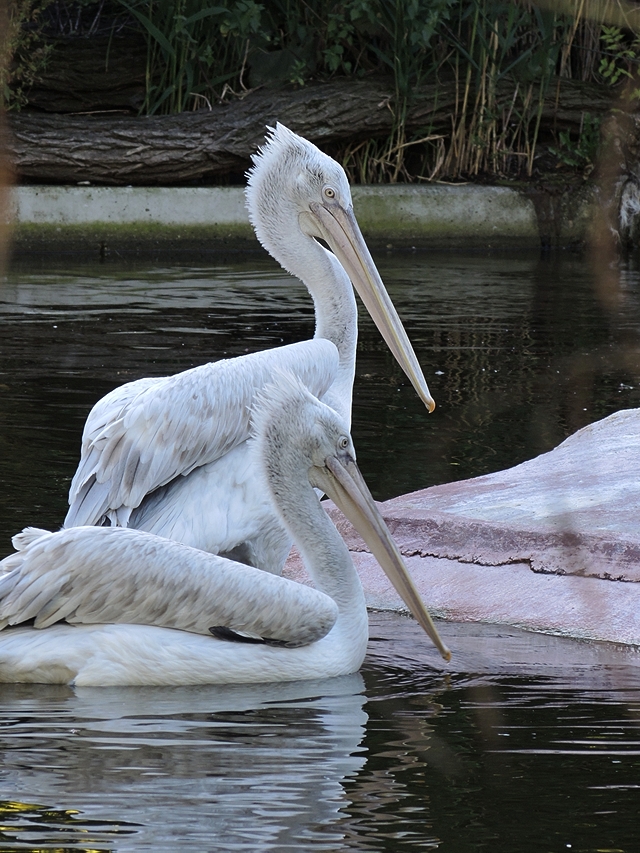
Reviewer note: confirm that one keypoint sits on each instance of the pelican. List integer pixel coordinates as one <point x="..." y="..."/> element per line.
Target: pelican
<point x="141" y="609"/>
<point x="170" y="455"/>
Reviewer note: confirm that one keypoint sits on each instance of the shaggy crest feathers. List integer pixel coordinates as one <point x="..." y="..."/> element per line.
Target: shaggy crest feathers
<point x="284" y="401"/>
<point x="288" y="409"/>
<point x="287" y="159"/>
<point x="286" y="390"/>
<point x="280" y="143"/>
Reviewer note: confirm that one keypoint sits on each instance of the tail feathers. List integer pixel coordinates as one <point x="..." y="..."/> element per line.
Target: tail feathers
<point x="28" y="536"/>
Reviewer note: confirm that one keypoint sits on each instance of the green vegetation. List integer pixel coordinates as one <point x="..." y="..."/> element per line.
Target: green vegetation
<point x="23" y="50"/>
<point x="582" y="152"/>
<point x="503" y="58"/>
<point x="620" y="58"/>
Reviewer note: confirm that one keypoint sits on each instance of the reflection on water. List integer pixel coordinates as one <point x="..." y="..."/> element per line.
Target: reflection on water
<point x="530" y="744"/>
<point x="259" y="767"/>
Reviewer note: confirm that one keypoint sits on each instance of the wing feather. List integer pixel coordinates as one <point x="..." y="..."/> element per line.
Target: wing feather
<point x="94" y="575"/>
<point x="145" y="434"/>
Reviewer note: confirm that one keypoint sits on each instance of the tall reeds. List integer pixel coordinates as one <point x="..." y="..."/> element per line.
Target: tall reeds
<point x="504" y="60"/>
<point x="503" y="56"/>
<point x="195" y="52"/>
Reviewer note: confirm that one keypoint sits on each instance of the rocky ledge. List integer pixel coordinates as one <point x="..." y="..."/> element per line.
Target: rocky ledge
<point x="551" y="545"/>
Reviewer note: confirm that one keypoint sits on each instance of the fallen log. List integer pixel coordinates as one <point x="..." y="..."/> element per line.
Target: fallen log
<point x="212" y="144"/>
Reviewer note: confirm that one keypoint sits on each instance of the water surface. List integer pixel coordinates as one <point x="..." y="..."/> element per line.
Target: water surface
<point x="530" y="743"/>
<point x="519" y="352"/>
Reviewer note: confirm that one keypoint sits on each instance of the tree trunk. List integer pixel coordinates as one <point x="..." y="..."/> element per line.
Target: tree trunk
<point x="216" y="143"/>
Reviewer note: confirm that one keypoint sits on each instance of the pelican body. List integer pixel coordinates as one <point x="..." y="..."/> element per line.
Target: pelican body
<point x="171" y="455"/>
<point x="111" y="606"/>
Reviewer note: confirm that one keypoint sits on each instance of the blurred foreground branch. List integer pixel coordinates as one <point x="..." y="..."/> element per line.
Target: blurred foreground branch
<point x="5" y="157"/>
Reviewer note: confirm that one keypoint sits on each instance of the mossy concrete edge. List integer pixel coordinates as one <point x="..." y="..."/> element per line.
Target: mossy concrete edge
<point x="99" y="219"/>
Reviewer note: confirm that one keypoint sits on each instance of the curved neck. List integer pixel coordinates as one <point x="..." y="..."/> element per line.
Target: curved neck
<point x="335" y="307"/>
<point x="325" y="555"/>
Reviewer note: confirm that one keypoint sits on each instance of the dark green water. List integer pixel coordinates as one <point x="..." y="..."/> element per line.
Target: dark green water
<point x="519" y="352"/>
<point x="529" y="744"/>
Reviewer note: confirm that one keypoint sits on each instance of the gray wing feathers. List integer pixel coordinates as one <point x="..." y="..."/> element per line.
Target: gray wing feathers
<point x="95" y="575"/>
<point x="144" y="435"/>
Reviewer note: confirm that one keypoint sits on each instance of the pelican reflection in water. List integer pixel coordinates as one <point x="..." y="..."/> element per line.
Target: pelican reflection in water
<point x="121" y="606"/>
<point x="170" y="455"/>
<point x="222" y="755"/>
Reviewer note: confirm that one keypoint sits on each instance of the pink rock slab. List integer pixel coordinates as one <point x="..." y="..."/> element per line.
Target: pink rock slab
<point x="551" y="545"/>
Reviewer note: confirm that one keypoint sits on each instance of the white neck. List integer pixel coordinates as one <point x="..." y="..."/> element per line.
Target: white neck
<point x="335" y="308"/>
<point x="278" y="229"/>
<point x="325" y="555"/>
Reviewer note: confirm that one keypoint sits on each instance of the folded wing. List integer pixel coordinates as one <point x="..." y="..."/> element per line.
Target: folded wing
<point x="101" y="575"/>
<point x="146" y="433"/>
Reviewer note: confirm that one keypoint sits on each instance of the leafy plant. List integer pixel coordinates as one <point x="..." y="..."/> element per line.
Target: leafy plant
<point x="582" y="152"/>
<point x="23" y="52"/>
<point x="619" y="53"/>
<point x="621" y="59"/>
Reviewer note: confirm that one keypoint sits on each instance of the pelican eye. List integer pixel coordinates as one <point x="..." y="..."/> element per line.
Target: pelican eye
<point x="329" y="192"/>
<point x="343" y="443"/>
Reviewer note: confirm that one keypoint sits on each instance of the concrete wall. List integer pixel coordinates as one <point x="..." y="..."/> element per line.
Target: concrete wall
<point x="437" y="214"/>
<point x="400" y="215"/>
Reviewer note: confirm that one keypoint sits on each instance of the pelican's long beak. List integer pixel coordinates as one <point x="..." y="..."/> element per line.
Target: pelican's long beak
<point x="341" y="231"/>
<point x="346" y="487"/>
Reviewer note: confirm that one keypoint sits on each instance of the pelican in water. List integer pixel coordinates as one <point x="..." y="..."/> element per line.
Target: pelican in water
<point x="122" y="606"/>
<point x="170" y="455"/>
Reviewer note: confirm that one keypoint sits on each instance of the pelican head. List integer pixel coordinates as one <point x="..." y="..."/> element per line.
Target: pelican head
<point x="296" y="196"/>
<point x="296" y="433"/>
<point x="290" y="175"/>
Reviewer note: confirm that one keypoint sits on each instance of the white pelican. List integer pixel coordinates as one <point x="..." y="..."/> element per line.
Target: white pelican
<point x="127" y="591"/>
<point x="169" y="455"/>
